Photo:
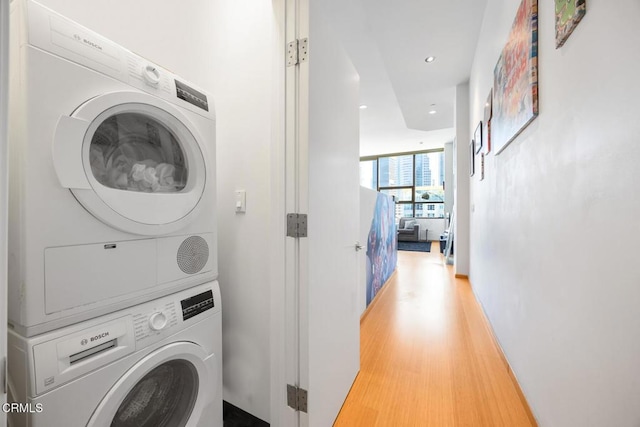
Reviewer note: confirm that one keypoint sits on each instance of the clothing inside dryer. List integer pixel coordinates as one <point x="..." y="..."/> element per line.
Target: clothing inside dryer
<point x="135" y="152"/>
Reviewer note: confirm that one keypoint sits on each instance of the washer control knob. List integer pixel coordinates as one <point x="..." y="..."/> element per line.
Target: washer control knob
<point x="157" y="321"/>
<point x="151" y="75"/>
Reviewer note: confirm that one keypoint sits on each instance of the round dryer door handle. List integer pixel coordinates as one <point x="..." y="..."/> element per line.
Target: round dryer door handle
<point x="157" y="321"/>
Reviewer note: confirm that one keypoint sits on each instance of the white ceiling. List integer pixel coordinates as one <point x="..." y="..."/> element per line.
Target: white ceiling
<point x="388" y="43"/>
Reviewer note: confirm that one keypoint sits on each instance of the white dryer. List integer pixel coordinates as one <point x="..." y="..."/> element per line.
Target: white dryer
<point x="111" y="180"/>
<point x="156" y="364"/>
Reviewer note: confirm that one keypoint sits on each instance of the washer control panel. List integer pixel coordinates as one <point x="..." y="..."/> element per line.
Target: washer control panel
<point x="155" y="322"/>
<point x="197" y="304"/>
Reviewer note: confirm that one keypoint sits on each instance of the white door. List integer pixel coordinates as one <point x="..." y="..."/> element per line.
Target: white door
<point x="323" y="179"/>
<point x="4" y="85"/>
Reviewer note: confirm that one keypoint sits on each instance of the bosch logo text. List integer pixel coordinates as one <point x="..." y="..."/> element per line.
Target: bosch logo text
<point x="99" y="336"/>
<point x="87" y="42"/>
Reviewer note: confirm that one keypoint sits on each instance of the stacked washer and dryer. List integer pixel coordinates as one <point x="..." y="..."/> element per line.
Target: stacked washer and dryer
<point x="114" y="311"/>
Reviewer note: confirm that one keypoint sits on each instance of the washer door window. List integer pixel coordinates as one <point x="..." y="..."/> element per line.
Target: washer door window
<point x="168" y="388"/>
<point x="132" y="160"/>
<point x="163" y="397"/>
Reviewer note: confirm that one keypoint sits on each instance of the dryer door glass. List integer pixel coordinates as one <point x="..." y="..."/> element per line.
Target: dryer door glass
<point x="134" y="151"/>
<point x="164" y="397"/>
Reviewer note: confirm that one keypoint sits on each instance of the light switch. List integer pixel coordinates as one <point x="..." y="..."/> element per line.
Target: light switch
<point x="241" y="201"/>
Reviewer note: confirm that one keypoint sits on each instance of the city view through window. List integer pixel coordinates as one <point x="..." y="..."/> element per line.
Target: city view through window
<point x="416" y="181"/>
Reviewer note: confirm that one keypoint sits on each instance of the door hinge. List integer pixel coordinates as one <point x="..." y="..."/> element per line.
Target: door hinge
<point x="297" y="51"/>
<point x="297" y="398"/>
<point x="296" y="225"/>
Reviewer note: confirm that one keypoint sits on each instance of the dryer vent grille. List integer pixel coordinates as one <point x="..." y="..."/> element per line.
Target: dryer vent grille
<point x="193" y="254"/>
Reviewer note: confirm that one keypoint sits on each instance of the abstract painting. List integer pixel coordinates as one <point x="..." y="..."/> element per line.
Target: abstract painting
<point x="515" y="78"/>
<point x="568" y="15"/>
<point x="382" y="247"/>
<point x="488" y="111"/>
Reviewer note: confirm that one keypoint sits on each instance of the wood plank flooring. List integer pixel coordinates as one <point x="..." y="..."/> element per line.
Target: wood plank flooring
<point x="428" y="357"/>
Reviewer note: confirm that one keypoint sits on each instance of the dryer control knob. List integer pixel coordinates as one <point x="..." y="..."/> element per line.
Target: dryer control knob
<point x="151" y="75"/>
<point x="157" y="321"/>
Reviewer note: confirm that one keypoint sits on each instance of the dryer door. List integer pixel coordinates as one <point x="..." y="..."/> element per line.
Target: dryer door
<point x="170" y="387"/>
<point x="134" y="161"/>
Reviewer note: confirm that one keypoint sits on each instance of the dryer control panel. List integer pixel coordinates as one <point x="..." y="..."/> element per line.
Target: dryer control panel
<point x="53" y="33"/>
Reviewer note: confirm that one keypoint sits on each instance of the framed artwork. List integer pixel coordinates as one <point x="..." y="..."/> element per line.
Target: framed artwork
<point x="472" y="156"/>
<point x="477" y="137"/>
<point x="568" y="15"/>
<point x="481" y="166"/>
<point x="488" y="112"/>
<point x="515" y="78"/>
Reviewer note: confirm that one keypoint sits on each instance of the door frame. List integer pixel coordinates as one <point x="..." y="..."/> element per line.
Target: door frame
<point x="4" y="190"/>
<point x="283" y="274"/>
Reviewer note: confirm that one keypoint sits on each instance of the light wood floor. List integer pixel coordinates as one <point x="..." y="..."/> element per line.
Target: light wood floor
<point x="428" y="357"/>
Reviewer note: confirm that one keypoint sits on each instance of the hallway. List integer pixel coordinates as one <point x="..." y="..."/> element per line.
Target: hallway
<point x="428" y="357"/>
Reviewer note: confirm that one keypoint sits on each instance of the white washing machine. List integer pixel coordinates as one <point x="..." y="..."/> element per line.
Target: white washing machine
<point x="156" y="364"/>
<point x="112" y="176"/>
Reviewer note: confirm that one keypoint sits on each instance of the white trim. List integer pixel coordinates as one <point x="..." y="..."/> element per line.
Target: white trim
<point x="4" y="191"/>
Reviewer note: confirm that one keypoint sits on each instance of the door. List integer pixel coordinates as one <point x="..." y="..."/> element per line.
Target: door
<point x="4" y="166"/>
<point x="169" y="387"/>
<point x="133" y="161"/>
<point x="323" y="182"/>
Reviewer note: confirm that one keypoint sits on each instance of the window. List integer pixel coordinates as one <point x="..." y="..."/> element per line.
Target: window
<point x="369" y="174"/>
<point x="416" y="181"/>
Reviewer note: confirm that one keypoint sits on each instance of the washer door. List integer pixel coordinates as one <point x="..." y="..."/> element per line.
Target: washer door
<point x="132" y="160"/>
<point x="168" y="388"/>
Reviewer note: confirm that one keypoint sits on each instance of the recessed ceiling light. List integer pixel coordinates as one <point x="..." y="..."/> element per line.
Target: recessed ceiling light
<point x="421" y="142"/>
<point x="363" y="107"/>
<point x="430" y="59"/>
<point x="432" y="112"/>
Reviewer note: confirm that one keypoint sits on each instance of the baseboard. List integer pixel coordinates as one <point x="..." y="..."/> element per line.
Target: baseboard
<point x="376" y="298"/>
<point x="462" y="276"/>
<point x="503" y="356"/>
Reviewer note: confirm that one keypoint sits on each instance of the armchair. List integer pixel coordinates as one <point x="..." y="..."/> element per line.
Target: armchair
<point x="408" y="230"/>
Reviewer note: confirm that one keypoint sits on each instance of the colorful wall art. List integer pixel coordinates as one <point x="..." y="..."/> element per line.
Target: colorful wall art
<point x="515" y="78"/>
<point x="568" y="15"/>
<point x="488" y="112"/>
<point x="382" y="247"/>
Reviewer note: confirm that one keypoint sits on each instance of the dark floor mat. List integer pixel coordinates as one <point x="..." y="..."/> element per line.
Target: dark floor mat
<point x="236" y="417"/>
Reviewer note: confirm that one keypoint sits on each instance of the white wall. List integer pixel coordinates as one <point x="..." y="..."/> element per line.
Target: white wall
<point x="368" y="200"/>
<point x="461" y="204"/>
<point x="448" y="177"/>
<point x="555" y="230"/>
<point x="224" y="46"/>
<point x="434" y="227"/>
<point x="242" y="57"/>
